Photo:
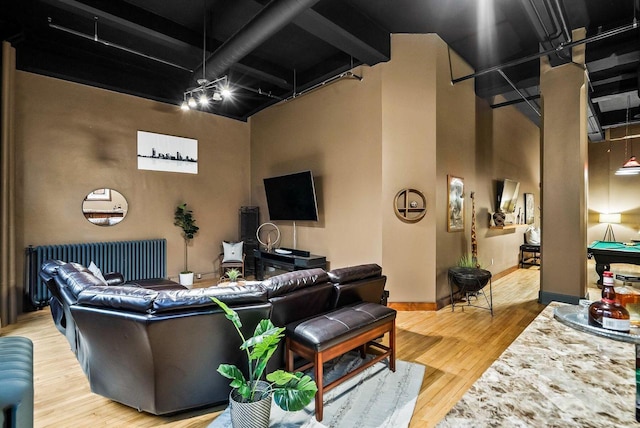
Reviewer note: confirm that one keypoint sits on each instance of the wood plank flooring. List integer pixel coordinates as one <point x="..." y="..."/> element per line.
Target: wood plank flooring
<point x="456" y="348"/>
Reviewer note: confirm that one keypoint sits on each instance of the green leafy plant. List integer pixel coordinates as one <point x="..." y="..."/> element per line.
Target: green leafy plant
<point x="183" y="218"/>
<point x="233" y="274"/>
<point x="469" y="261"/>
<point x="291" y="391"/>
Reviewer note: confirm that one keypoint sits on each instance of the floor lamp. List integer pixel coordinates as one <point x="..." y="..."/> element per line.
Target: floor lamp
<point x="609" y="219"/>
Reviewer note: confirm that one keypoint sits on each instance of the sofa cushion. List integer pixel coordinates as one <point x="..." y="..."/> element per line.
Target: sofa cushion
<point x="291" y="281"/>
<point x="95" y="270"/>
<point x="76" y="278"/>
<point x="173" y="300"/>
<point x="118" y="297"/>
<point x="49" y="268"/>
<point x="354" y="273"/>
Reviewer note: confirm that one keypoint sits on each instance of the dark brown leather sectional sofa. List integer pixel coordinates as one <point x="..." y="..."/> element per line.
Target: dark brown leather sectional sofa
<point x="155" y="346"/>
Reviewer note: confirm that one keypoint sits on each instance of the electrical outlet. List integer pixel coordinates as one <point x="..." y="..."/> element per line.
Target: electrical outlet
<point x="491" y="262"/>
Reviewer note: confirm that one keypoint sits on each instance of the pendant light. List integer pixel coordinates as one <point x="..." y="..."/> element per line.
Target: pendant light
<point x="207" y="91"/>
<point x="632" y="166"/>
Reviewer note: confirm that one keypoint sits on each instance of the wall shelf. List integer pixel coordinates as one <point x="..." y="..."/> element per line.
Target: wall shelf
<point x="508" y="226"/>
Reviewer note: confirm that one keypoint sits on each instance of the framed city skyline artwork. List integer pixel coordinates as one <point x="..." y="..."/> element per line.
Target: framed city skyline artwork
<point x="159" y="152"/>
<point x="455" y="204"/>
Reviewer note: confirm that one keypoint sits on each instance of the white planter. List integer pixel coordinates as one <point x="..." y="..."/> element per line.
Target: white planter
<point x="186" y="279"/>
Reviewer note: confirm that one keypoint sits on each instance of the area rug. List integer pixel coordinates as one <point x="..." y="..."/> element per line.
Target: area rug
<point x="377" y="397"/>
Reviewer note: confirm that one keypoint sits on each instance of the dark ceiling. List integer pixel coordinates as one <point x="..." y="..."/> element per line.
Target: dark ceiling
<point x="272" y="51"/>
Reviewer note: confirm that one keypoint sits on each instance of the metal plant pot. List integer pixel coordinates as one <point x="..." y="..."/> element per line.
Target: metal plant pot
<point x="250" y="414"/>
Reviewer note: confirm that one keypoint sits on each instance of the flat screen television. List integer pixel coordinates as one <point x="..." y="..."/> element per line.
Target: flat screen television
<point x="291" y="197"/>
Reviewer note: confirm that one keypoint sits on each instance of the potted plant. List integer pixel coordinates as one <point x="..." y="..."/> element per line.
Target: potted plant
<point x="233" y="274"/>
<point x="183" y="218"/>
<point x="250" y="399"/>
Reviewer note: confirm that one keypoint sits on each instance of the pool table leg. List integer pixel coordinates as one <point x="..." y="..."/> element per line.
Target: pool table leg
<point x="600" y="269"/>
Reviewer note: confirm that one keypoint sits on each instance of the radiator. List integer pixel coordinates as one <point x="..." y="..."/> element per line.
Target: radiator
<point x="133" y="259"/>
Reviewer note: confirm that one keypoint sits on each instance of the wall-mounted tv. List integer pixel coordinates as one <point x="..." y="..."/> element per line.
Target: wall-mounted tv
<point x="291" y="197"/>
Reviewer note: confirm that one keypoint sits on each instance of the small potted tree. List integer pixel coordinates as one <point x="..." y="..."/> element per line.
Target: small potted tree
<point x="183" y="218"/>
<point x="250" y="399"/>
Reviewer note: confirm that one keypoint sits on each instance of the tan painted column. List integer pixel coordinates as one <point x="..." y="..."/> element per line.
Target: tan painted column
<point x="564" y="178"/>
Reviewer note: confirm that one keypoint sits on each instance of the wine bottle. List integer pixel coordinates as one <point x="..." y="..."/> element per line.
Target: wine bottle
<point x="608" y="313"/>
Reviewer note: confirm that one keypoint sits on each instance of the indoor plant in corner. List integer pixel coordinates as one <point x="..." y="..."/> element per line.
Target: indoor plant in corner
<point x="183" y="218"/>
<point x="250" y="399"/>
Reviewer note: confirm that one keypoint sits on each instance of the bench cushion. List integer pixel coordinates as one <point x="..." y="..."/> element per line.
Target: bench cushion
<point x="16" y="381"/>
<point x="324" y="331"/>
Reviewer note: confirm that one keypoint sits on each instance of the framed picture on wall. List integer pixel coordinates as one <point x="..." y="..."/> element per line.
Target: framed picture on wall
<point x="529" y="217"/>
<point x="99" y="195"/>
<point x="455" y="204"/>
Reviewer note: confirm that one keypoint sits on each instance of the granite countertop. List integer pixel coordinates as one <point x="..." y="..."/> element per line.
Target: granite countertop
<point x="553" y="376"/>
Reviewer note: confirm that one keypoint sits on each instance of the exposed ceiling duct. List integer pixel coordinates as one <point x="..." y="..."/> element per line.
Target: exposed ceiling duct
<point x="266" y="23"/>
<point x="549" y="21"/>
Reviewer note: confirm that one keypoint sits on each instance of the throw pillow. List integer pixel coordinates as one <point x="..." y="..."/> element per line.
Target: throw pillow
<point x="232" y="251"/>
<point x="532" y="236"/>
<point x="95" y="270"/>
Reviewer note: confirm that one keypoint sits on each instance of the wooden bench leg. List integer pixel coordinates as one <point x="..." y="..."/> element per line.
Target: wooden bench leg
<point x="319" y="395"/>
<point x="288" y="355"/>
<point x="392" y="346"/>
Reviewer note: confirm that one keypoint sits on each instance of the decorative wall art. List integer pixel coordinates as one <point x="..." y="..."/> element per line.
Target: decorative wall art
<point x="455" y="204"/>
<point x="99" y="195"/>
<point x="410" y="205"/>
<point x="529" y="210"/>
<point x="159" y="152"/>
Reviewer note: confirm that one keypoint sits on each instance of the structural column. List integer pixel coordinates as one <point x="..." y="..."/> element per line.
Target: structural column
<point x="564" y="178"/>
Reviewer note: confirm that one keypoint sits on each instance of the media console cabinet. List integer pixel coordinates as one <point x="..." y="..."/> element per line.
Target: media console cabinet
<point x="297" y="260"/>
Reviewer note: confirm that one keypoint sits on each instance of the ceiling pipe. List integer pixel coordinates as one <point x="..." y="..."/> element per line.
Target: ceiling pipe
<point x="271" y="19"/>
<point x="523" y="96"/>
<point x="538" y="55"/>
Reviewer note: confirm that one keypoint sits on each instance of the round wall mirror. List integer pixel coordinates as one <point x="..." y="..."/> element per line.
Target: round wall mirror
<point x="105" y="207"/>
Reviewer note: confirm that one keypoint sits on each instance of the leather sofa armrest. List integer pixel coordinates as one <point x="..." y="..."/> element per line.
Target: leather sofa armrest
<point x="354" y="273"/>
<point x="285" y="283"/>
<point x="114" y="278"/>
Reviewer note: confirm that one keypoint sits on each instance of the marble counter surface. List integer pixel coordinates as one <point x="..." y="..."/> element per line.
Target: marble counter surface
<point x="553" y="376"/>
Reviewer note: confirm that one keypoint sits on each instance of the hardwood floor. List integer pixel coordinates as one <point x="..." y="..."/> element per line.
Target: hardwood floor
<point x="456" y="348"/>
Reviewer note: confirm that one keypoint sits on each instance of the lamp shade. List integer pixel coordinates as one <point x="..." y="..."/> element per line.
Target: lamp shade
<point x="610" y="218"/>
<point x="630" y="167"/>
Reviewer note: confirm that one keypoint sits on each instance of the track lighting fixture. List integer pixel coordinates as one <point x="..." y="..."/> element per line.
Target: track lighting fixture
<point x="206" y="91"/>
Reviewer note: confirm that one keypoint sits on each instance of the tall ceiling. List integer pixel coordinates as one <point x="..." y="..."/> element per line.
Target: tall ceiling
<point x="273" y="51"/>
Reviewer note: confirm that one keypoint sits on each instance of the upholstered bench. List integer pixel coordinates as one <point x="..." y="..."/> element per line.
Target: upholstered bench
<point x="16" y="382"/>
<point x="332" y="334"/>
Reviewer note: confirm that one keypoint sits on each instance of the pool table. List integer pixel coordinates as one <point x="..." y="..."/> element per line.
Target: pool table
<point x="606" y="252"/>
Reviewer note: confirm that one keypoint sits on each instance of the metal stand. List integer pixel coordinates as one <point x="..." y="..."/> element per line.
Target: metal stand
<point x="471" y="282"/>
<point x="609" y="235"/>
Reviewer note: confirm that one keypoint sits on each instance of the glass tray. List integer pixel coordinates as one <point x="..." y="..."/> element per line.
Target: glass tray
<point x="576" y="317"/>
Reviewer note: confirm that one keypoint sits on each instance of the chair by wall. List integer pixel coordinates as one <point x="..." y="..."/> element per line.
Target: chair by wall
<point x="232" y="257"/>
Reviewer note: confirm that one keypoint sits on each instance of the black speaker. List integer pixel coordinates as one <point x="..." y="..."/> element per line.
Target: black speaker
<point x="249" y="222"/>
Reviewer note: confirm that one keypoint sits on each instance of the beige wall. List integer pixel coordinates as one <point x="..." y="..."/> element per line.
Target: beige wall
<point x="456" y="156"/>
<point x="409" y="161"/>
<point x="563" y="275"/>
<point x="335" y="133"/>
<point x="403" y="125"/>
<point x="508" y="147"/>
<point x="610" y="193"/>
<point x="73" y="138"/>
